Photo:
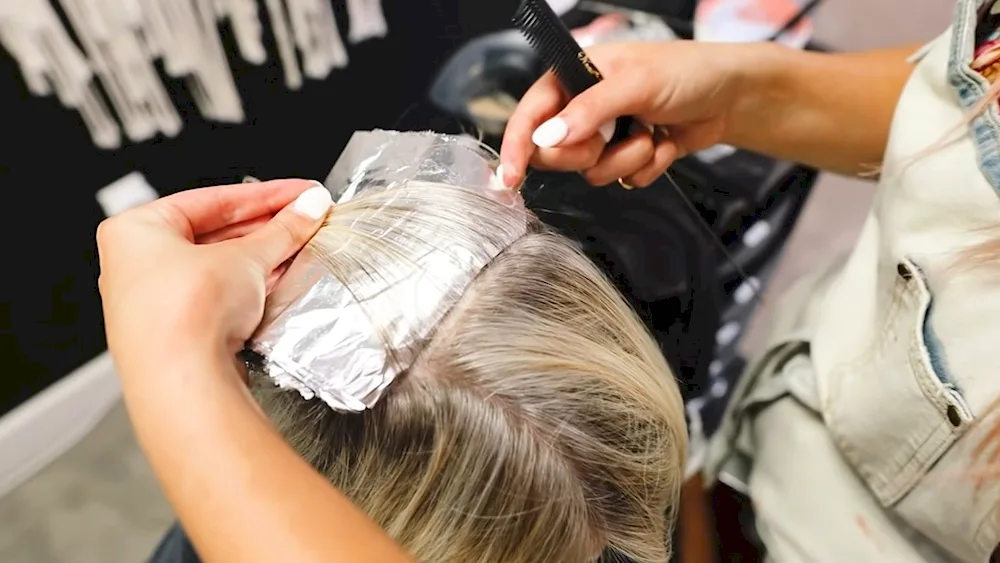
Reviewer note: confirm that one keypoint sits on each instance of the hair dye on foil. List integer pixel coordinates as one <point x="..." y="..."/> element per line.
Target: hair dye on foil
<point x="346" y="341"/>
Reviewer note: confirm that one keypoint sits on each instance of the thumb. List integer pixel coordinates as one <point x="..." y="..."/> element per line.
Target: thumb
<point x="285" y="234"/>
<point x="593" y="112"/>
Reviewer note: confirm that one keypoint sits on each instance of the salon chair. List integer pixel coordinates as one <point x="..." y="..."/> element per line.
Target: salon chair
<point x="694" y="298"/>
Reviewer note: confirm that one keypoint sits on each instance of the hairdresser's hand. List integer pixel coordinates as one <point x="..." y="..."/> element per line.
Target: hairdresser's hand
<point x="690" y="88"/>
<point x="191" y="271"/>
<point x="183" y="281"/>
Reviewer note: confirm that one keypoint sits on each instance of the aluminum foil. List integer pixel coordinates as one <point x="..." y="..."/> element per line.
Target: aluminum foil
<point x="346" y="345"/>
<point x="384" y="159"/>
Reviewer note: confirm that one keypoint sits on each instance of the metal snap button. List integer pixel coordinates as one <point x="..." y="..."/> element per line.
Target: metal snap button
<point x="904" y="271"/>
<point x="953" y="417"/>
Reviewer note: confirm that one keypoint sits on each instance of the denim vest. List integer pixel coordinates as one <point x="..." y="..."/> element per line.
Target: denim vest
<point x="905" y="337"/>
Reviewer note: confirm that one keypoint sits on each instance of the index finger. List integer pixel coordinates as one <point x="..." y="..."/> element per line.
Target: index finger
<point x="543" y="100"/>
<point x="203" y="210"/>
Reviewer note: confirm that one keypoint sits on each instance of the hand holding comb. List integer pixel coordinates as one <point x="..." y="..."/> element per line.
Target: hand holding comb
<point x="559" y="51"/>
<point x="557" y="48"/>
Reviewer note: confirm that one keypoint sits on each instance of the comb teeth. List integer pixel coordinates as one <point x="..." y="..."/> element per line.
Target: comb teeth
<point x="554" y="44"/>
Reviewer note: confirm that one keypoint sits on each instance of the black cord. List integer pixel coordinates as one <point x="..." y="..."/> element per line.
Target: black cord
<point x="796" y="19"/>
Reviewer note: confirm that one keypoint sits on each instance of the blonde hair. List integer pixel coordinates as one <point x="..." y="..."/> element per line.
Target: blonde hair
<point x="539" y="423"/>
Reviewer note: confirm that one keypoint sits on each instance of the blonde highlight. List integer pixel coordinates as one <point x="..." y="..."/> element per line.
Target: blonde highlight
<point x="539" y="422"/>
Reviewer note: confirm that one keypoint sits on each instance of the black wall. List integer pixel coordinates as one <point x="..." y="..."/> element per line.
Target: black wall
<point x="50" y="321"/>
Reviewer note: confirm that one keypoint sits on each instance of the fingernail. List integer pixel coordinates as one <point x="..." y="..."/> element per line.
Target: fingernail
<point x="506" y="179"/>
<point x="607" y="131"/>
<point x="499" y="176"/>
<point x="314" y="203"/>
<point x="550" y="133"/>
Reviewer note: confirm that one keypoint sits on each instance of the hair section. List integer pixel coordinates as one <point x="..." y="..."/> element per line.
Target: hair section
<point x="539" y="423"/>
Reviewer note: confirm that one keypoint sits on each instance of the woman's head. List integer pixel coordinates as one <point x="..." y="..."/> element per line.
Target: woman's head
<point x="539" y="421"/>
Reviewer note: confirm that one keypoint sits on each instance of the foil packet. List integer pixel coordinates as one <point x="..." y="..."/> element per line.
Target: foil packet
<point x="346" y="341"/>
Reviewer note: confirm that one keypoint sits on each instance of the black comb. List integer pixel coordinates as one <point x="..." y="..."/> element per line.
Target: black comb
<point x="554" y="44"/>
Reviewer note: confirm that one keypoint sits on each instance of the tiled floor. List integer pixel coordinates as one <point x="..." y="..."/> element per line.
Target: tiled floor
<point x="100" y="503"/>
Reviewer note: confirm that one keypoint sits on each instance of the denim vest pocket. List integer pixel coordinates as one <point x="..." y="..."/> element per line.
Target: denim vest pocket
<point x="894" y="410"/>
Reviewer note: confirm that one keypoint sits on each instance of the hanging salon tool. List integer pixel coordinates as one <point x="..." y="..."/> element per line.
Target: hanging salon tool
<point x="315" y="33"/>
<point x="52" y="64"/>
<point x="109" y="31"/>
<point x="120" y="42"/>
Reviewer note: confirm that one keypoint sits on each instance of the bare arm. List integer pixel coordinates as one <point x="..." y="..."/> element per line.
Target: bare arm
<point x="832" y="111"/>
<point x="241" y="493"/>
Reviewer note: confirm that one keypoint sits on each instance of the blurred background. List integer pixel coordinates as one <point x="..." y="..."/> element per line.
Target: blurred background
<point x="83" y="141"/>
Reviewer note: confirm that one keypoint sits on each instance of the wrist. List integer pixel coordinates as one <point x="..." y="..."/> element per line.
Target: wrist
<point x="148" y="366"/>
<point x="761" y="93"/>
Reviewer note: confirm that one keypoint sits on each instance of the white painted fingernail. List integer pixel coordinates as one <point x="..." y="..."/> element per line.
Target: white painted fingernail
<point x="550" y="133"/>
<point x="607" y="131"/>
<point x="314" y="203"/>
<point x="498" y="178"/>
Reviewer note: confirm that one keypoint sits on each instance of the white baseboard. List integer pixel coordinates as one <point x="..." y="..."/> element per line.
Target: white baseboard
<point x="43" y="428"/>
